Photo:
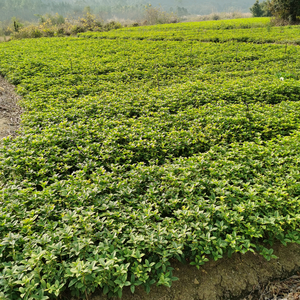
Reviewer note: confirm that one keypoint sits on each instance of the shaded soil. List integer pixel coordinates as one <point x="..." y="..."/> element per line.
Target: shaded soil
<point x="241" y="277"/>
<point x="9" y="110"/>
<point x="288" y="289"/>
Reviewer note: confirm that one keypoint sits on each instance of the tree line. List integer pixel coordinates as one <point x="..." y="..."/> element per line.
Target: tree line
<point x="287" y="11"/>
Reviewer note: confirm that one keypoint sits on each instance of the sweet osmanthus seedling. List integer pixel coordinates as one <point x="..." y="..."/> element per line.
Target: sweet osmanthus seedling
<point x="113" y="175"/>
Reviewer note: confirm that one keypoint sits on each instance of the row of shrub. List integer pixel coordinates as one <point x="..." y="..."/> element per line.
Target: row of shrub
<point x="136" y="153"/>
<point x="266" y="33"/>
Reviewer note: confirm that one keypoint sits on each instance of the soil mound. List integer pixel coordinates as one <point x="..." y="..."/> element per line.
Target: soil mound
<point x="241" y="277"/>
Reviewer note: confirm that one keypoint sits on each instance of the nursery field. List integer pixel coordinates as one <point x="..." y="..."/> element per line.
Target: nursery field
<point x="254" y="35"/>
<point x="254" y="30"/>
<point x="136" y="153"/>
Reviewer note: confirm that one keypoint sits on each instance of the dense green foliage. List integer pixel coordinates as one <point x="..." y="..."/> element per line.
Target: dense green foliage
<point x="260" y="9"/>
<point x="134" y="153"/>
<point x="286" y="10"/>
<point x="261" y="32"/>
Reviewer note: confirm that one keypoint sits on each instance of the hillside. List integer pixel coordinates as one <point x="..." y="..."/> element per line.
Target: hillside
<point x="28" y="9"/>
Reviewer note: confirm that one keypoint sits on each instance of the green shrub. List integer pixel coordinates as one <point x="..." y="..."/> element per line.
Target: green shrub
<point x="77" y="29"/>
<point x="155" y="15"/>
<point x="135" y="153"/>
<point x="287" y="11"/>
<point x="112" y="25"/>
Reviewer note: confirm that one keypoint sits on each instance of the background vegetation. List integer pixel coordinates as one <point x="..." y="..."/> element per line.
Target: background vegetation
<point x="260" y="9"/>
<point x="287" y="11"/>
<point x="130" y="9"/>
<point x="283" y="11"/>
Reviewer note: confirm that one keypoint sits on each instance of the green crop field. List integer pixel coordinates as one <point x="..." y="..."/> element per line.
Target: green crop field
<point x="255" y="30"/>
<point x="142" y="146"/>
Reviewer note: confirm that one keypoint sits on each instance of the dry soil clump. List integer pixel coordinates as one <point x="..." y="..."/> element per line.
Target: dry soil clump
<point x="241" y="277"/>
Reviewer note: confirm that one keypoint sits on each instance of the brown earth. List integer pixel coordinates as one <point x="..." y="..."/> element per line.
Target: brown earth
<point x="4" y="38"/>
<point x="9" y="110"/>
<point x="241" y="277"/>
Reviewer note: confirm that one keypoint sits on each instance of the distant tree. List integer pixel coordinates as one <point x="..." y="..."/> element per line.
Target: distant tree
<point x="16" y="24"/>
<point x="286" y="10"/>
<point x="260" y="9"/>
<point x="266" y="9"/>
<point x="256" y="9"/>
<point x="41" y="18"/>
<point x="87" y="10"/>
<point x="156" y="15"/>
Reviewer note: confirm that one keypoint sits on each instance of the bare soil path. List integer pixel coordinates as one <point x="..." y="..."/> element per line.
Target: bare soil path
<point x="4" y="38"/>
<point x="10" y="111"/>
